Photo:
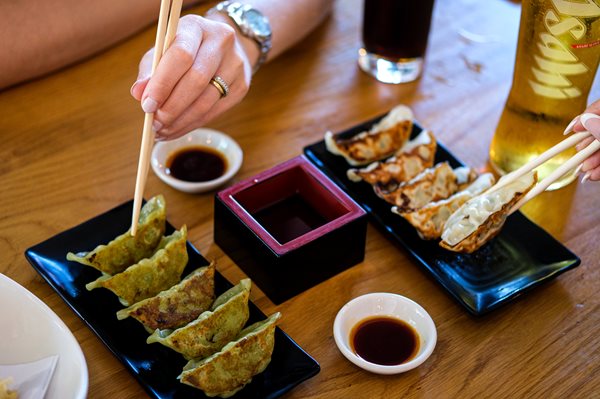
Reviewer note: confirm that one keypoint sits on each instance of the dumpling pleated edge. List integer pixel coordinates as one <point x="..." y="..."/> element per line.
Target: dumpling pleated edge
<point x="213" y="329"/>
<point x="126" y="250"/>
<point x="228" y="371"/>
<point x="177" y="305"/>
<point x="149" y="276"/>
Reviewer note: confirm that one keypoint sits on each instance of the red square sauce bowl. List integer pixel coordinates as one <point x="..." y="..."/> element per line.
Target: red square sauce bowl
<point x="289" y="228"/>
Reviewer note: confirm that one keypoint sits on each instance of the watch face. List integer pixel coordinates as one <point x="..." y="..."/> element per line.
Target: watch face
<point x="258" y="23"/>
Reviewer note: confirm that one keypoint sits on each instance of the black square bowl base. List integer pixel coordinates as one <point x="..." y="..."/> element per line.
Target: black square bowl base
<point x="283" y="276"/>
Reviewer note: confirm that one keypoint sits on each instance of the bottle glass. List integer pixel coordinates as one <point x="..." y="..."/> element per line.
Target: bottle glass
<point x="557" y="59"/>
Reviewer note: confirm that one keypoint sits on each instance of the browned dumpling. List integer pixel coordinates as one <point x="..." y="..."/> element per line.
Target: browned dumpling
<point x="432" y="184"/>
<point x="430" y="219"/>
<point x="213" y="328"/>
<point x="381" y="141"/>
<point x="178" y="305"/>
<point x="482" y="217"/>
<point x="414" y="157"/>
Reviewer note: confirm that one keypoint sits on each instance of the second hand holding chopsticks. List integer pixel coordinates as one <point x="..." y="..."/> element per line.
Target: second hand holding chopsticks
<point x="570" y="164"/>
<point x="170" y="10"/>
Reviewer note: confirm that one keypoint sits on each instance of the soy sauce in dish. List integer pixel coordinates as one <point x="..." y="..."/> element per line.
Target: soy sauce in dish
<point x="196" y="164"/>
<point x="384" y="340"/>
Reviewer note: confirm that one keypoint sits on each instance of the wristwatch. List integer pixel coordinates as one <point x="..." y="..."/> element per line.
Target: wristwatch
<point x="251" y="23"/>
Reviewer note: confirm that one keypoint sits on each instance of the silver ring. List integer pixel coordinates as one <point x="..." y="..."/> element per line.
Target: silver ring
<point x="221" y="85"/>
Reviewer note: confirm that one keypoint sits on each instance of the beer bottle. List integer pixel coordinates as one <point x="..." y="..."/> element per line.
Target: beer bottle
<point x="557" y="58"/>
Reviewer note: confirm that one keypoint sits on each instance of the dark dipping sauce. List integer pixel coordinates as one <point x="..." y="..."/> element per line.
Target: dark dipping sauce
<point x="196" y="164"/>
<point x="289" y="218"/>
<point x="384" y="340"/>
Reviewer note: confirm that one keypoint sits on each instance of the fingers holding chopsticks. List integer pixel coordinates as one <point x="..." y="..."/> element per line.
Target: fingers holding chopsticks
<point x="576" y="124"/>
<point x="211" y="102"/>
<point x="590" y="121"/>
<point x="181" y="92"/>
<point x="591" y="166"/>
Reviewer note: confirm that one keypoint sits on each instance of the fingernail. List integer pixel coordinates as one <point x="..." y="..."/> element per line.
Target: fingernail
<point x="133" y="86"/>
<point x="578" y="169"/>
<point x="156" y="126"/>
<point x="586" y="177"/>
<point x="149" y="105"/>
<point x="569" y="127"/>
<point x="591" y="122"/>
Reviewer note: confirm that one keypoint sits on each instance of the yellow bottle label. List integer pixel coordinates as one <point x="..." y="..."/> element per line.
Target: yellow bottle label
<point x="556" y="61"/>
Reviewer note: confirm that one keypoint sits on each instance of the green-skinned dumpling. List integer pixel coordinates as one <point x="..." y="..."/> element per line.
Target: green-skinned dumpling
<point x="126" y="250"/>
<point x="212" y="329"/>
<point x="178" y="305"/>
<point x="149" y="276"/>
<point x="226" y="372"/>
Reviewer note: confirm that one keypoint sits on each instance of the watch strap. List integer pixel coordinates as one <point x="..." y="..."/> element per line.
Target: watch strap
<point x="236" y="11"/>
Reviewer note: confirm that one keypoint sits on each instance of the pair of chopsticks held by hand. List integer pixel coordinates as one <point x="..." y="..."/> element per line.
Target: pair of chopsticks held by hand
<point x="575" y="162"/>
<point x="170" y="10"/>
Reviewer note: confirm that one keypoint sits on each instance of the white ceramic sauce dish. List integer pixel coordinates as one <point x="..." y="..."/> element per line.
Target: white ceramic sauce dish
<point x="212" y="139"/>
<point x="387" y="305"/>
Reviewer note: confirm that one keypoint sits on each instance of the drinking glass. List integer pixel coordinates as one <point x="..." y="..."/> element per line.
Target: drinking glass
<point x="395" y="39"/>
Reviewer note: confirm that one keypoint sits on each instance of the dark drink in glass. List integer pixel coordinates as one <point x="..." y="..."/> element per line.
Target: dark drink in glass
<point x="395" y="38"/>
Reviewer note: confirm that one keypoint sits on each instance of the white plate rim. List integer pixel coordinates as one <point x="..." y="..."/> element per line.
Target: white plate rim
<point x="67" y="335"/>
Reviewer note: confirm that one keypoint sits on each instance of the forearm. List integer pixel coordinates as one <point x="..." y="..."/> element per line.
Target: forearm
<point x="42" y="36"/>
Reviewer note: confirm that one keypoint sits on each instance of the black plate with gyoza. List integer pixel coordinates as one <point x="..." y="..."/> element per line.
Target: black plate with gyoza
<point x="522" y="256"/>
<point x="156" y="367"/>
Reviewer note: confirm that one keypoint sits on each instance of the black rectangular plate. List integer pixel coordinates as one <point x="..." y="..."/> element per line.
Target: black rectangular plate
<point x="522" y="256"/>
<point x="156" y="367"/>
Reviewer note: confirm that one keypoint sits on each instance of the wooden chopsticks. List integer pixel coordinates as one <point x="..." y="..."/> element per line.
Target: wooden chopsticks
<point x="170" y="10"/>
<point x="567" y="166"/>
<point x="540" y="159"/>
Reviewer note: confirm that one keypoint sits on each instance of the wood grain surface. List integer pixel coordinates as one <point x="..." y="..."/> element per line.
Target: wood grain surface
<point x="69" y="151"/>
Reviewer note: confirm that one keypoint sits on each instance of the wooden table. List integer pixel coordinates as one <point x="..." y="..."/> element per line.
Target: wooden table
<point x="69" y="152"/>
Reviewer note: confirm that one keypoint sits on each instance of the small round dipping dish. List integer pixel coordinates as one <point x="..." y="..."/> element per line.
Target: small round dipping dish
<point x="385" y="305"/>
<point x="206" y="141"/>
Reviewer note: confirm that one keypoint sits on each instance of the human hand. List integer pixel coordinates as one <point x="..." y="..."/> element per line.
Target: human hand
<point x="180" y="93"/>
<point x="589" y="120"/>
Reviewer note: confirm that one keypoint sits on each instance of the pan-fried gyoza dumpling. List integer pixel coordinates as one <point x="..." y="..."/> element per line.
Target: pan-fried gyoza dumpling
<point x="481" y="218"/>
<point x="464" y="177"/>
<point x="430" y="219"/>
<point x="432" y="184"/>
<point x="178" y="305"/>
<point x="414" y="157"/>
<point x="226" y="372"/>
<point x="381" y="141"/>
<point x="125" y="250"/>
<point x="149" y="276"/>
<point x="212" y="329"/>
